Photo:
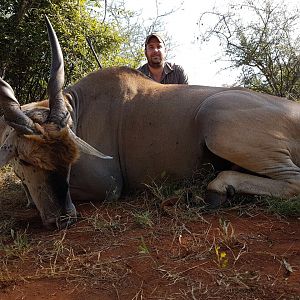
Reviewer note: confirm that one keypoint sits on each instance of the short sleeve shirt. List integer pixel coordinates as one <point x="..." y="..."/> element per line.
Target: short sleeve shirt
<point x="172" y="73"/>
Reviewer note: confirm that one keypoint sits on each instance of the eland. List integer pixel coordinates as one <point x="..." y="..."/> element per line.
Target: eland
<point x="144" y="128"/>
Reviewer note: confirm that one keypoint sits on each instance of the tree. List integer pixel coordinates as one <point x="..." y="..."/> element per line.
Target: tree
<point x="25" y="52"/>
<point x="264" y="45"/>
<point x="134" y="28"/>
<point x="129" y="26"/>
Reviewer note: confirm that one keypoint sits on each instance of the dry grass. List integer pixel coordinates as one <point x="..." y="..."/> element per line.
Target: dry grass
<point x="192" y="254"/>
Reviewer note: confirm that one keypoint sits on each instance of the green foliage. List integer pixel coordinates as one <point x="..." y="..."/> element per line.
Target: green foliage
<point x="111" y="225"/>
<point x="25" y="53"/>
<point x="262" y="40"/>
<point x="18" y="246"/>
<point x="163" y="188"/>
<point x="143" y="219"/>
<point x="284" y="207"/>
<point x="133" y="32"/>
<point x="143" y="248"/>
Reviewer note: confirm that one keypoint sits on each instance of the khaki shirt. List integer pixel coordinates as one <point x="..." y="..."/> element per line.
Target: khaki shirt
<point x="172" y="73"/>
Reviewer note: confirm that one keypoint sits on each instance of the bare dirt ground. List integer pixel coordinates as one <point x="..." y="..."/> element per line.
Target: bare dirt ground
<point x="138" y="249"/>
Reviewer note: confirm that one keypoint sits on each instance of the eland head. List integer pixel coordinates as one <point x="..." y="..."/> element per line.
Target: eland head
<point x="36" y="138"/>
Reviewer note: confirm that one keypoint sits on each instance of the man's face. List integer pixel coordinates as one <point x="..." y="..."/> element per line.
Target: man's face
<point x="155" y="52"/>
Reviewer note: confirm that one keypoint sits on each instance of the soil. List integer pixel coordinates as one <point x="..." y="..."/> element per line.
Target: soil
<point x="135" y="248"/>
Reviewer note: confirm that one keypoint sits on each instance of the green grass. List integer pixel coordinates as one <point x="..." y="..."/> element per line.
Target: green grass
<point x="191" y="192"/>
<point x="105" y="224"/>
<point x="143" y="248"/>
<point x="164" y="188"/>
<point x="143" y="219"/>
<point x="283" y="207"/>
<point x="17" y="245"/>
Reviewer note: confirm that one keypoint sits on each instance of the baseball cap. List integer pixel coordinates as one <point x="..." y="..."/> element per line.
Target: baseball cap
<point x="154" y="34"/>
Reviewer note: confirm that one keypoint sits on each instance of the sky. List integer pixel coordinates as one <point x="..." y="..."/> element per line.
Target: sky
<point x="197" y="60"/>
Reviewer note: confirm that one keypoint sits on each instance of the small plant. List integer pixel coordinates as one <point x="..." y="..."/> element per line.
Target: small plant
<point x="19" y="246"/>
<point x="143" y="219"/>
<point x="222" y="258"/>
<point x="20" y="239"/>
<point x="100" y="223"/>
<point x="6" y="225"/>
<point x="284" y="207"/>
<point x="143" y="249"/>
<point x="158" y="189"/>
<point x="190" y="189"/>
<point x="227" y="234"/>
<point x="61" y="256"/>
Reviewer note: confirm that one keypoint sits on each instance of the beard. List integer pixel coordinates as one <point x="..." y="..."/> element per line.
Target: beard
<point x="155" y="61"/>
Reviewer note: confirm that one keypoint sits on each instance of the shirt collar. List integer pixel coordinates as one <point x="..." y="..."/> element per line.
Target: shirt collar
<point x="168" y="68"/>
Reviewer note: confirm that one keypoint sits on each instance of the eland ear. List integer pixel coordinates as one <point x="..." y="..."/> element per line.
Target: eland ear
<point x="13" y="114"/>
<point x="7" y="150"/>
<point x="87" y="148"/>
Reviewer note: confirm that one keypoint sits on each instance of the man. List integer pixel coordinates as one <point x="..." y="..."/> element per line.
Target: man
<point x="157" y="68"/>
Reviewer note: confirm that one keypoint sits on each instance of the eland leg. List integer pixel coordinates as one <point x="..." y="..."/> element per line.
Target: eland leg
<point x="227" y="182"/>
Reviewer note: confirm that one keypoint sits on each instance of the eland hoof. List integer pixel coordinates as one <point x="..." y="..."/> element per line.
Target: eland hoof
<point x="214" y="200"/>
